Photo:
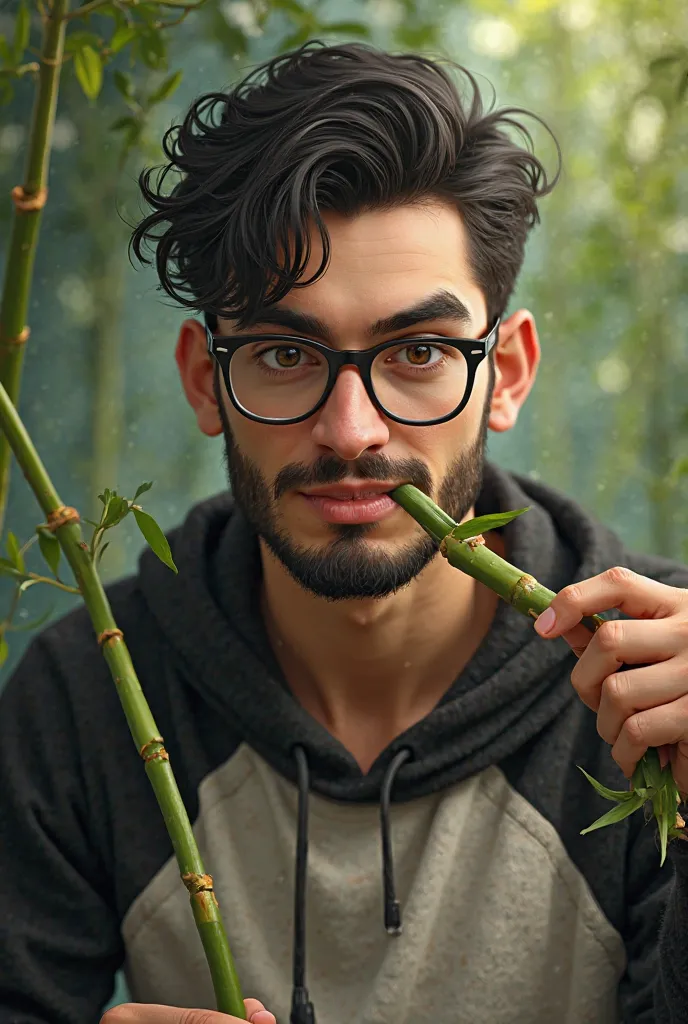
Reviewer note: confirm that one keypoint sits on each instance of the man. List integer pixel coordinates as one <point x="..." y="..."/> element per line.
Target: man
<point x="352" y="230"/>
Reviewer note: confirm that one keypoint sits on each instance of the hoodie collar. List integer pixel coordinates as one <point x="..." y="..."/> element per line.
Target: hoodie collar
<point x="512" y="687"/>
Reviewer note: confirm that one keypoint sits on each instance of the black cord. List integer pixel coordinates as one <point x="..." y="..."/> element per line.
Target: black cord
<point x="302" y="1011"/>
<point x="392" y="907"/>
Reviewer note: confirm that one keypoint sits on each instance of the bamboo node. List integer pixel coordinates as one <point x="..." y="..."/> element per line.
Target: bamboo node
<point x="443" y="547"/>
<point x="109" y="634"/>
<point x="19" y="339"/>
<point x="197" y="883"/>
<point x="149" y="743"/>
<point x="474" y="542"/>
<point x="158" y="754"/>
<point x="61" y="516"/>
<point x="523" y="586"/>
<point x="29" y="202"/>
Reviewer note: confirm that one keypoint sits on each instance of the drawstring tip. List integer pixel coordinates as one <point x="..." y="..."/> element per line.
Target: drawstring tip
<point x="393" y="924"/>
<point x="302" y="1011"/>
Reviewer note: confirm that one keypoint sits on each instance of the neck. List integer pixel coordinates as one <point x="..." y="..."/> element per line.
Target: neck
<point x="369" y="669"/>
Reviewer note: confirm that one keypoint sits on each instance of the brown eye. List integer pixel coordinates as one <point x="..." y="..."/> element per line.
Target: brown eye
<point x="287" y="358"/>
<point x="419" y="355"/>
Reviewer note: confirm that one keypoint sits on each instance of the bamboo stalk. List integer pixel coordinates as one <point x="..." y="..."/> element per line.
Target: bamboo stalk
<point x="29" y="201"/>
<point x="141" y="723"/>
<point x="466" y="550"/>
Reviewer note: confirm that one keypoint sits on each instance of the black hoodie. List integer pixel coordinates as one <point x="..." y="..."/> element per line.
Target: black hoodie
<point x="510" y="916"/>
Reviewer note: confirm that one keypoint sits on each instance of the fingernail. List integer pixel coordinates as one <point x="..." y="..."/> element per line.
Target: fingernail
<point x="663" y="757"/>
<point x="263" y="1017"/>
<point x="545" y="622"/>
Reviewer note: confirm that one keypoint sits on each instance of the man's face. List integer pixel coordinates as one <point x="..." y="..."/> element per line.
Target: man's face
<point x="382" y="263"/>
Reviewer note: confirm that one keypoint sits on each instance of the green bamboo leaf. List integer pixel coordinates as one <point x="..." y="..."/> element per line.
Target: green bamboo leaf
<point x="664" y="817"/>
<point x="13" y="550"/>
<point x="50" y="549"/>
<point x="124" y="84"/>
<point x="142" y="488"/>
<point x="164" y="91"/>
<point x="155" y="537"/>
<point x="123" y="123"/>
<point x="475" y="527"/>
<point x="116" y="510"/>
<point x="8" y="568"/>
<point x="617" y="813"/>
<point x="5" y="52"/>
<point x="4" y="649"/>
<point x="22" y="31"/>
<point x="150" y="46"/>
<point x="654" y="776"/>
<point x="638" y="777"/>
<point x="88" y="67"/>
<point x="76" y="40"/>
<point x="105" y="496"/>
<point x="609" y="794"/>
<point x="296" y="10"/>
<point x="35" y="623"/>
<point x="101" y="552"/>
<point x="122" y="37"/>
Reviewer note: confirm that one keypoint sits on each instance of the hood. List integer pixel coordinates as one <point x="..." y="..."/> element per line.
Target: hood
<point x="512" y="687"/>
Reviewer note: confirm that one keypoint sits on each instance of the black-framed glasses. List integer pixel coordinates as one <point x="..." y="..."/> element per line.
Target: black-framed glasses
<point x="283" y="378"/>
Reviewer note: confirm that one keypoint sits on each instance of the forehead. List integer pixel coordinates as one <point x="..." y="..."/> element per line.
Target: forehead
<point x="382" y="261"/>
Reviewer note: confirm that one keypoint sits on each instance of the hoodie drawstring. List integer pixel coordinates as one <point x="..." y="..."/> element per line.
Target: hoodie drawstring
<point x="302" y="1011"/>
<point x="392" y="907"/>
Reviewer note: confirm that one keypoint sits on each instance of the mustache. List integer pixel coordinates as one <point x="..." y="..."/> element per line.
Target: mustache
<point x="328" y="469"/>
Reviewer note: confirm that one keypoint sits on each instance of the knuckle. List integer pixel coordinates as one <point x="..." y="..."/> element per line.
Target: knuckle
<point x="635" y="730"/>
<point x="571" y="595"/>
<point x="609" y="635"/>
<point x="617" y="689"/>
<point x="198" y="1017"/>
<point x="620" y="574"/>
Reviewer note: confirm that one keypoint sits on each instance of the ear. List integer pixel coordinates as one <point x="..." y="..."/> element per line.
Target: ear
<point x="196" y="368"/>
<point x="517" y="357"/>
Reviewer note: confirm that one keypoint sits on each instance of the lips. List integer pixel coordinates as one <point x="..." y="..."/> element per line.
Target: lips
<point x="352" y="504"/>
<point x="343" y="493"/>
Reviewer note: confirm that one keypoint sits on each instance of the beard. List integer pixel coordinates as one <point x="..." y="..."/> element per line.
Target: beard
<point x="349" y="566"/>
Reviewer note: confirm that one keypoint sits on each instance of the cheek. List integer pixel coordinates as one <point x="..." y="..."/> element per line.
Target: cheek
<point x="268" y="447"/>
<point x="439" y="446"/>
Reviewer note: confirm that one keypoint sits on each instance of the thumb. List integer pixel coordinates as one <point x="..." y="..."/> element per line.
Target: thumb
<point x="257" y="1014"/>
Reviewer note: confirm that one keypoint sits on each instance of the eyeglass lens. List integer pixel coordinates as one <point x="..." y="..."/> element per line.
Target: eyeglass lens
<point x="420" y="379"/>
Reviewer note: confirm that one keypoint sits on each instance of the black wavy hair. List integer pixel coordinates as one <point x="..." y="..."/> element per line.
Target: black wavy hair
<point x="343" y="128"/>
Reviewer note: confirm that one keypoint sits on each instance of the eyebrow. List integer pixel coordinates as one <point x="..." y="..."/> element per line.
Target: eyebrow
<point x="441" y="305"/>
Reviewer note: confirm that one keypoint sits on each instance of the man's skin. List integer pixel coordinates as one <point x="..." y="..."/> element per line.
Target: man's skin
<point x="369" y="668"/>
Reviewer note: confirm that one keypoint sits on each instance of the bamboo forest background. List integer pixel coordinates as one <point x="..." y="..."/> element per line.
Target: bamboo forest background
<point x="606" y="272"/>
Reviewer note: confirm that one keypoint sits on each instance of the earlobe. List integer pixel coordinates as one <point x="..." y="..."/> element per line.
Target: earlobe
<point x="517" y="357"/>
<point x="196" y="373"/>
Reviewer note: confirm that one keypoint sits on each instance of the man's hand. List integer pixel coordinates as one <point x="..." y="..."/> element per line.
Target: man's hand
<point x="639" y="707"/>
<point x="152" y="1013"/>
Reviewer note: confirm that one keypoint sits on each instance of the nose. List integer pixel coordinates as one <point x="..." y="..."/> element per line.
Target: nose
<point x="348" y="423"/>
